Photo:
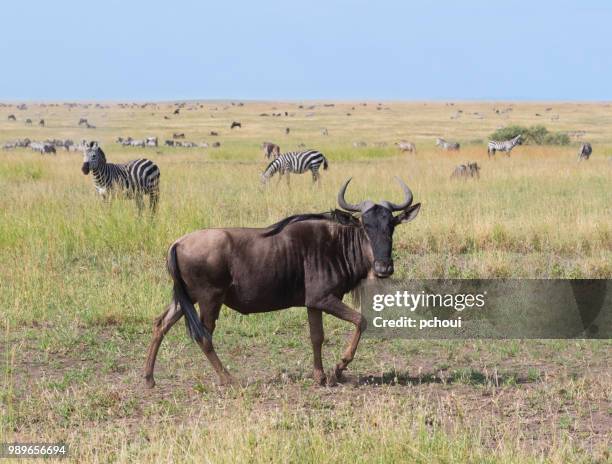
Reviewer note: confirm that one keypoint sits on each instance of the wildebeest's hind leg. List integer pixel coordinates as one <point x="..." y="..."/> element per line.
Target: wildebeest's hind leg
<point x="336" y="307"/>
<point x="209" y="313"/>
<point x="161" y="326"/>
<point x="315" y="321"/>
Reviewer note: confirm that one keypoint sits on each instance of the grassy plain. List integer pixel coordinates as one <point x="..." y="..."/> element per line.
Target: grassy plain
<point x="80" y="282"/>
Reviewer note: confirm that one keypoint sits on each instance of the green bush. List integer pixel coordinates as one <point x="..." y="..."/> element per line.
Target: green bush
<point x="534" y="135"/>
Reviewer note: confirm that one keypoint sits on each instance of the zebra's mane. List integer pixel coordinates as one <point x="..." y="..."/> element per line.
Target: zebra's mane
<point x="335" y="215"/>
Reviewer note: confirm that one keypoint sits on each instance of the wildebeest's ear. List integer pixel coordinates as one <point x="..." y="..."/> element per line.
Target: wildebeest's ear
<point x="408" y="214"/>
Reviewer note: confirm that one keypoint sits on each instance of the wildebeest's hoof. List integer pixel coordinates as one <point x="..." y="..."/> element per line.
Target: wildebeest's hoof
<point x="333" y="379"/>
<point x="338" y="374"/>
<point x="227" y="381"/>
<point x="319" y="378"/>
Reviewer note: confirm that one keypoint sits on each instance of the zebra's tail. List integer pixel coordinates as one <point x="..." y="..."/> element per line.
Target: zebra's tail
<point x="194" y="326"/>
<point x="325" y="165"/>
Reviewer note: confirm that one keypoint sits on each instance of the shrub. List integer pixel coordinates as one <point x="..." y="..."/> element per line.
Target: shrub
<point x="534" y="135"/>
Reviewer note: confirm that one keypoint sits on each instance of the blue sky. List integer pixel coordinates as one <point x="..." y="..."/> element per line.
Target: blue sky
<point x="315" y="49"/>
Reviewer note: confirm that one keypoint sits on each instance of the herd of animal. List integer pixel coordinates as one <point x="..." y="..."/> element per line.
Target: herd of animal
<point x="48" y="146"/>
<point x="311" y="260"/>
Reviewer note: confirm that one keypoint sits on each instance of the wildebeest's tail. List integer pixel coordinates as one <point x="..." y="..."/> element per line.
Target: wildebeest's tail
<point x="325" y="163"/>
<point x="194" y="326"/>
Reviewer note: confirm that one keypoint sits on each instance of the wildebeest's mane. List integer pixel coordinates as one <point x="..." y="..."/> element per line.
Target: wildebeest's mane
<point x="335" y="215"/>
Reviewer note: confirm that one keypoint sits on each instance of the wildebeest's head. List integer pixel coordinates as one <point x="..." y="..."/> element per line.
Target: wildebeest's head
<point x="93" y="157"/>
<point x="379" y="223"/>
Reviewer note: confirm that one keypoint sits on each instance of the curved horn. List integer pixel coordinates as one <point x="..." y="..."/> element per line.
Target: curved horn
<point x="405" y="204"/>
<point x="342" y="202"/>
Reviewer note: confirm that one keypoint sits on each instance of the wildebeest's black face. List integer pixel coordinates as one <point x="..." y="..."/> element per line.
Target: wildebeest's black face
<point x="379" y="225"/>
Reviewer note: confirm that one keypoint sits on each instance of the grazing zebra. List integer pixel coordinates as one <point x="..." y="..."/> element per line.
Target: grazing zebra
<point x="297" y="162"/>
<point x="450" y="146"/>
<point x="505" y="146"/>
<point x="136" y="178"/>
<point x="463" y="171"/>
<point x="270" y="149"/>
<point x="585" y="151"/>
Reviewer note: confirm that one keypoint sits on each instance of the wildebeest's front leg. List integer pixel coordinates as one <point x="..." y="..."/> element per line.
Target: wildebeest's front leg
<point x="161" y="326"/>
<point x="335" y="306"/>
<point x="315" y="321"/>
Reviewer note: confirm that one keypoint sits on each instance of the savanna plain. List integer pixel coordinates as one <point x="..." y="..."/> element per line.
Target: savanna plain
<point x="82" y="280"/>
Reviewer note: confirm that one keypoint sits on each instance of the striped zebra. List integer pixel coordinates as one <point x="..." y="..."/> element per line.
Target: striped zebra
<point x="505" y="146"/>
<point x="450" y="146"/>
<point x="585" y="151"/>
<point x="135" y="178"/>
<point x="297" y="162"/>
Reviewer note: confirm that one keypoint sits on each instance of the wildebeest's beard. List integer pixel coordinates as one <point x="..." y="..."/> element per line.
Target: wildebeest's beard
<point x="378" y="223"/>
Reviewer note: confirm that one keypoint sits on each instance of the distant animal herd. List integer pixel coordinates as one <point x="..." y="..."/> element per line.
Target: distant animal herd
<point x="108" y="176"/>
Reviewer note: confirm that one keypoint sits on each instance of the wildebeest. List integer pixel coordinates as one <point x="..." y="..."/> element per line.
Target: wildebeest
<point x="178" y="135"/>
<point x="270" y="149"/>
<point x="43" y="147"/>
<point x="41" y="123"/>
<point x="214" y="134"/>
<point x="83" y="122"/>
<point x="287" y="130"/>
<point x="584" y="153"/>
<point x="216" y="144"/>
<point x="169" y="143"/>
<point x="177" y="111"/>
<point x="449" y="146"/>
<point x="463" y="171"/>
<point x="311" y="260"/>
<point x="28" y="122"/>
<point x="11" y="117"/>
<point x="235" y="124"/>
<point x="405" y="146"/>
